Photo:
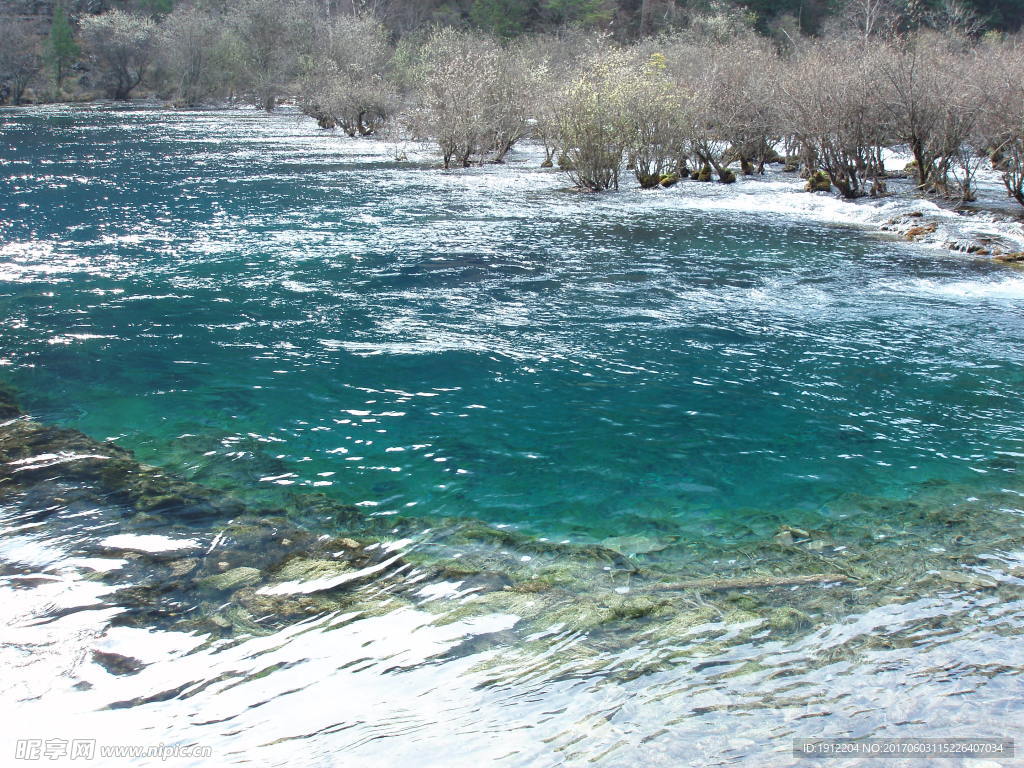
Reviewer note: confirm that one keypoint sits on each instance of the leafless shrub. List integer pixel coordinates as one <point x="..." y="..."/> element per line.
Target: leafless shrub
<point x="952" y="16"/>
<point x="869" y="18"/>
<point x="554" y="60"/>
<point x="345" y="81"/>
<point x="928" y="105"/>
<point x="122" y="45"/>
<point x="20" y="57"/>
<point x="473" y="97"/>
<point x="593" y="120"/>
<point x="656" y="129"/>
<point x="268" y="40"/>
<point x="730" y="115"/>
<point x="832" y="111"/>
<point x="193" y="55"/>
<point x="1001" y="124"/>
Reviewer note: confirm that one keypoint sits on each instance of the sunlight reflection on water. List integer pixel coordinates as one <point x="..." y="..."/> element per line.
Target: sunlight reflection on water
<point x="678" y="375"/>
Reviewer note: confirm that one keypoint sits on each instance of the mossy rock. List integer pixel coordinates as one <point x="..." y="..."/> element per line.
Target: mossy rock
<point x="743" y="602"/>
<point x="532" y="586"/>
<point x="740" y="616"/>
<point x="999" y="160"/>
<point x="235" y="578"/>
<point x="787" y="619"/>
<point x="305" y="569"/>
<point x="648" y="180"/>
<point x="920" y="231"/>
<point x="819" y="181"/>
<point x="581" y="615"/>
<point x="683" y="623"/>
<point x="525" y="605"/>
<point x="8" y="402"/>
<point x="1016" y="257"/>
<point x="726" y="176"/>
<point x="240" y="620"/>
<point x="669" y="180"/>
<point x="287" y="606"/>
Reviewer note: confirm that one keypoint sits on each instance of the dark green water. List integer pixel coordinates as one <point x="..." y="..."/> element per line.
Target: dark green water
<point x="269" y="306"/>
<point x="273" y="310"/>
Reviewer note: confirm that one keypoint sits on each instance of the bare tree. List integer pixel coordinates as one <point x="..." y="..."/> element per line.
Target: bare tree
<point x="928" y="106"/>
<point x="1001" y="125"/>
<point x="20" y="58"/>
<point x="729" y="114"/>
<point x="656" y="131"/>
<point x="454" y="107"/>
<point x="192" y="54"/>
<point x="713" y="21"/>
<point x="553" y="59"/>
<point x="473" y="95"/>
<point x="269" y="39"/>
<point x="594" y="121"/>
<point x="870" y="17"/>
<point x="345" y="81"/>
<point x="545" y="100"/>
<point x="953" y="16"/>
<point x="122" y="45"/>
<point x="832" y="110"/>
<point x="511" y="92"/>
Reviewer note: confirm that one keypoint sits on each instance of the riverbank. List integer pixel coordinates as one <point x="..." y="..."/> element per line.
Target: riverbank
<point x="991" y="226"/>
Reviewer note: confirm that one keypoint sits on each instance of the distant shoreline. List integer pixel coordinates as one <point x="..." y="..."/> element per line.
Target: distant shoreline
<point x="989" y="227"/>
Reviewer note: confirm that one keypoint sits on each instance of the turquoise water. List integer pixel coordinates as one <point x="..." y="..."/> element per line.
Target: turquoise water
<point x="267" y="305"/>
<point x="274" y="310"/>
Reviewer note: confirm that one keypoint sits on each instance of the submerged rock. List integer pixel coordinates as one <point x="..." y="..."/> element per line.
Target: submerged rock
<point x="638" y="545"/>
<point x="920" y="231"/>
<point x="8" y="405"/>
<point x="183" y="567"/>
<point x="117" y="664"/>
<point x="1014" y="257"/>
<point x="304" y="569"/>
<point x="788" y="619"/>
<point x="253" y="571"/>
<point x="968" y="579"/>
<point x="784" y="538"/>
<point x="232" y="579"/>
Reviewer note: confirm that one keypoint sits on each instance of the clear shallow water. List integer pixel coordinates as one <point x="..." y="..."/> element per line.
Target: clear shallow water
<point x="249" y="297"/>
<point x="270" y="309"/>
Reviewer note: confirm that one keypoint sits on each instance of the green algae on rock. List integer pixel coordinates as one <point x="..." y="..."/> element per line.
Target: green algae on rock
<point x="224" y="569"/>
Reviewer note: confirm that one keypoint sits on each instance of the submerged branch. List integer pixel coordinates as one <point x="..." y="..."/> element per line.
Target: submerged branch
<point x="752" y="582"/>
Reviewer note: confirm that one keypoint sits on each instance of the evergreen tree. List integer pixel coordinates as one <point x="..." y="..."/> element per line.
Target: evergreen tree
<point x="504" y="18"/>
<point x="61" y="48"/>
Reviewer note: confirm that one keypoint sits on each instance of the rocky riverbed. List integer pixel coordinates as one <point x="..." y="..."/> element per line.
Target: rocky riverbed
<point x="186" y="557"/>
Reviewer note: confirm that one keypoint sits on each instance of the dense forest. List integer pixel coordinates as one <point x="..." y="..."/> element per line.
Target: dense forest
<point x="708" y="93"/>
<point x="626" y="19"/>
